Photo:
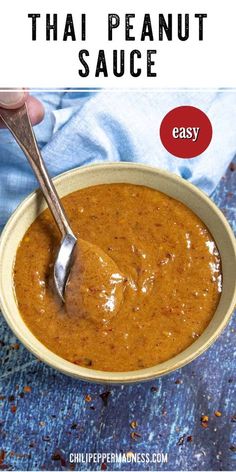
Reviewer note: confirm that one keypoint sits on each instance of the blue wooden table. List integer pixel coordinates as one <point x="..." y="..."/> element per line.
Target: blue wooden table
<point x="45" y="415"/>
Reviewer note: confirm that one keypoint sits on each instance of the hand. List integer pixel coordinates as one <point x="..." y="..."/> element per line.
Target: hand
<point x="15" y="99"/>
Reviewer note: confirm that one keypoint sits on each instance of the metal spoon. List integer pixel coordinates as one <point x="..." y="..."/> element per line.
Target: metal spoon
<point x="18" y="122"/>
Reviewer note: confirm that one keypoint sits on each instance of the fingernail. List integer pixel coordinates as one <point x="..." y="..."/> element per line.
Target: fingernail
<point x="9" y="99"/>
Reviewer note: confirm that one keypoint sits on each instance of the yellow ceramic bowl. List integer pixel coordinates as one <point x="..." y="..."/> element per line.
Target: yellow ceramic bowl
<point x="168" y="183"/>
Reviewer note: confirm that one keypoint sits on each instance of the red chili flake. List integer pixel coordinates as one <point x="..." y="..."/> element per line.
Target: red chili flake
<point x="15" y="346"/>
<point x="104" y="396"/>
<point x="233" y="447"/>
<point x="233" y="418"/>
<point x="178" y="381"/>
<point x="232" y="166"/>
<point x="2" y="456"/>
<point x="2" y="397"/>
<point x="189" y="438"/>
<point x="103" y="466"/>
<point x="27" y="389"/>
<point x="154" y="389"/>
<point x="88" y="398"/>
<point x="204" y="421"/>
<point x="133" y="424"/>
<point x="218" y="413"/>
<point x="135" y="435"/>
<point x="57" y="456"/>
<point x="21" y="394"/>
<point x="181" y="440"/>
<point x="11" y="398"/>
<point x="13" y="408"/>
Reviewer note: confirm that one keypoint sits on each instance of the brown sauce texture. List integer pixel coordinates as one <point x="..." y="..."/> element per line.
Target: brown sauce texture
<point x="159" y="302"/>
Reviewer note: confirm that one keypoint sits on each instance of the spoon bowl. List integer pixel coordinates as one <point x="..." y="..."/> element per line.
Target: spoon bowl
<point x="63" y="264"/>
<point x="95" y="286"/>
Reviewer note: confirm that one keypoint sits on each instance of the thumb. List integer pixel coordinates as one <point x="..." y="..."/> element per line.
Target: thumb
<point x="12" y="99"/>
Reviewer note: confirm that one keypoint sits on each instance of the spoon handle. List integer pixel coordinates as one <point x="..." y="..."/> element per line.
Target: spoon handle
<point x="18" y="122"/>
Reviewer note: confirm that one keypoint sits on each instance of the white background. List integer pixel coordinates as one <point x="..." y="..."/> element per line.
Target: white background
<point x="209" y="63"/>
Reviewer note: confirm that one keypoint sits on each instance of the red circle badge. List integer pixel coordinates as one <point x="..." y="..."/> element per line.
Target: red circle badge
<point x="186" y="132"/>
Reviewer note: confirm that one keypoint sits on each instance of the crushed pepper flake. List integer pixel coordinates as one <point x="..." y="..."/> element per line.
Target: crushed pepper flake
<point x="104" y="396"/>
<point x="178" y="381"/>
<point x="233" y="447"/>
<point x="74" y="425"/>
<point x="2" y="456"/>
<point x="88" y="398"/>
<point x="11" y="398"/>
<point x="103" y="466"/>
<point x="217" y="413"/>
<point x="58" y="456"/>
<point x="189" y="438"/>
<point x="204" y="421"/>
<point x="133" y="424"/>
<point x="135" y="435"/>
<point x="27" y="389"/>
<point x="204" y="418"/>
<point x="233" y="418"/>
<point x="181" y="440"/>
<point x="13" y="408"/>
<point x="154" y="389"/>
<point x="15" y="346"/>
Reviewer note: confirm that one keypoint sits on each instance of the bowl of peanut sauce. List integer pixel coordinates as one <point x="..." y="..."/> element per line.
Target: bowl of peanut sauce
<point x="160" y="298"/>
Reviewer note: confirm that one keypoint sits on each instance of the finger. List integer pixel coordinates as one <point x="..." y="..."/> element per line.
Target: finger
<point x="13" y="99"/>
<point x="35" y="109"/>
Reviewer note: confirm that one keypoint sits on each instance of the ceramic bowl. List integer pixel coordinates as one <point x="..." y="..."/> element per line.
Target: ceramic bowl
<point x="168" y="183"/>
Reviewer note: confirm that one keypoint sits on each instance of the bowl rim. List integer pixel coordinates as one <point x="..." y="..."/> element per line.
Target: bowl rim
<point x="98" y="376"/>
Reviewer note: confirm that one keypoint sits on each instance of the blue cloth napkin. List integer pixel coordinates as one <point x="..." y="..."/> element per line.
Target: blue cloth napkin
<point x="87" y="127"/>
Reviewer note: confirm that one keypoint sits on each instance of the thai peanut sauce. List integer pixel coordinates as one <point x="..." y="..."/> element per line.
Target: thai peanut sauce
<point x="147" y="292"/>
